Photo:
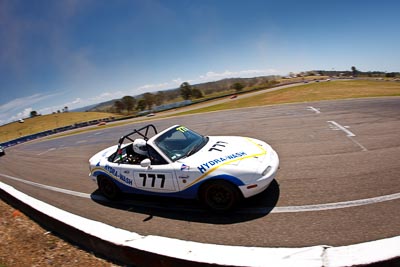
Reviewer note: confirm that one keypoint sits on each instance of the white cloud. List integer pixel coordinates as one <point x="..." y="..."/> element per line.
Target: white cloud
<point x="212" y="76"/>
<point x="107" y="96"/>
<point x="21" y="115"/>
<point x="154" y="86"/>
<point x="76" y="101"/>
<point x="21" y="107"/>
<point x="25" y="113"/>
<point x="22" y="102"/>
<point x="208" y="77"/>
<point x="71" y="105"/>
<point x="177" y="81"/>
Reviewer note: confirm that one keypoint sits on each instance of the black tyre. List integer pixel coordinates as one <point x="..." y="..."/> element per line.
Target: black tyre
<point x="108" y="188"/>
<point x="219" y="195"/>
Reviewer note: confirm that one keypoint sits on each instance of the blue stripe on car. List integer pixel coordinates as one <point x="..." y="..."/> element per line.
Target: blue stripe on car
<point x="188" y="193"/>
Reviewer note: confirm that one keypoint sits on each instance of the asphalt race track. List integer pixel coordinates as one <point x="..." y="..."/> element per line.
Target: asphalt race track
<point x="338" y="182"/>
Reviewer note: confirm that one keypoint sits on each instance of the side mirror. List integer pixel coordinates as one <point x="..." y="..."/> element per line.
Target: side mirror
<point x="145" y="163"/>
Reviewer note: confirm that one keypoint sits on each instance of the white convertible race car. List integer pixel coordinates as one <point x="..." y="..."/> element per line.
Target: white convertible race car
<point x="178" y="162"/>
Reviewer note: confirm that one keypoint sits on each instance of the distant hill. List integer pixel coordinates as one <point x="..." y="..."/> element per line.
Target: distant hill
<point x="226" y="84"/>
<point x="99" y="107"/>
<point x="207" y="88"/>
<point x="84" y="109"/>
<point x="215" y="88"/>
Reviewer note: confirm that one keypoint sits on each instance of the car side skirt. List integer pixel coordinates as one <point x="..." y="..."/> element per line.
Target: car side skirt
<point x="188" y="193"/>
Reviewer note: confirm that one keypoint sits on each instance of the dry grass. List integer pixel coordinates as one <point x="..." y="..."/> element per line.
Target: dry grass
<point x="312" y="92"/>
<point x="327" y="91"/>
<point x="25" y="243"/>
<point x="47" y="122"/>
<point x="303" y="93"/>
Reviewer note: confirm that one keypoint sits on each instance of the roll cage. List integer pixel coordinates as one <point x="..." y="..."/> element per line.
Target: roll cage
<point x="144" y="132"/>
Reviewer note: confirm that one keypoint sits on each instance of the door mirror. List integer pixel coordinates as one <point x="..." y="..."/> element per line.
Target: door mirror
<point x="145" y="163"/>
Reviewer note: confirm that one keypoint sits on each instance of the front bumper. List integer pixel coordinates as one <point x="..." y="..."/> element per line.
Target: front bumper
<point x="262" y="183"/>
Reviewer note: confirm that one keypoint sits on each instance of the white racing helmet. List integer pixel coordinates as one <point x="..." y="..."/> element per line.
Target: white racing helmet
<point x="140" y="147"/>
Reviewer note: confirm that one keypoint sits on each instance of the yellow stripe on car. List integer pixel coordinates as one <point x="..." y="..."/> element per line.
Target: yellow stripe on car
<point x="231" y="161"/>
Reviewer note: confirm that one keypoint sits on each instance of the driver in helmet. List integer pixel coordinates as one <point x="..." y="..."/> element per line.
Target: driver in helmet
<point x="140" y="148"/>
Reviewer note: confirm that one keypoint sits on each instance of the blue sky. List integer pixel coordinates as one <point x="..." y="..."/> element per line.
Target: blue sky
<point x="80" y="52"/>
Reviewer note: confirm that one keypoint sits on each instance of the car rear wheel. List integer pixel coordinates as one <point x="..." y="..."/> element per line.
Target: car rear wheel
<point x="108" y="188"/>
<point x="219" y="195"/>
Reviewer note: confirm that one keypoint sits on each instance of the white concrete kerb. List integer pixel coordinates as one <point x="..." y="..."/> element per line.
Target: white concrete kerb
<point x="358" y="254"/>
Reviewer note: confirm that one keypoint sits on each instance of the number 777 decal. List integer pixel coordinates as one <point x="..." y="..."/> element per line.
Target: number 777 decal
<point x="150" y="179"/>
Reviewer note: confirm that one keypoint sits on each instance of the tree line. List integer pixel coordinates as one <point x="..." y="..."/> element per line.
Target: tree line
<point x="186" y="91"/>
<point x="358" y="73"/>
<point x="147" y="101"/>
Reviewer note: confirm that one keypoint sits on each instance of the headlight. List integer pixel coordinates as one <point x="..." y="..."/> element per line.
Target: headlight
<point x="266" y="170"/>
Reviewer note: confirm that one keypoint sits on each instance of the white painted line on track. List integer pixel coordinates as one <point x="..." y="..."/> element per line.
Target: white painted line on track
<point x="336" y="205"/>
<point x="358" y="143"/>
<point x="48" y="150"/>
<point x="342" y="128"/>
<point x="48" y="187"/>
<point x="316" y="110"/>
<point x="95" y="134"/>
<point x="349" y="134"/>
<point x="283" y="209"/>
<point x="357" y="254"/>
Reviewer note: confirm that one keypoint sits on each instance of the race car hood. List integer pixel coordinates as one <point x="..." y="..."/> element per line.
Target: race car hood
<point x="104" y="154"/>
<point x="224" y="152"/>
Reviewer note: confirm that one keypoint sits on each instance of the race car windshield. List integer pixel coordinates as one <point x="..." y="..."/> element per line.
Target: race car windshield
<point x="180" y="142"/>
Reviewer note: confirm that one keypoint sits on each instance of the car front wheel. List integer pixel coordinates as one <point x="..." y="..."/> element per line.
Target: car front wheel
<point x="108" y="188"/>
<point x="219" y="195"/>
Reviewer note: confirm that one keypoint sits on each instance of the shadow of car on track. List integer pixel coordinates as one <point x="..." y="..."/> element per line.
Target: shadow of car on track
<point x="192" y="210"/>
